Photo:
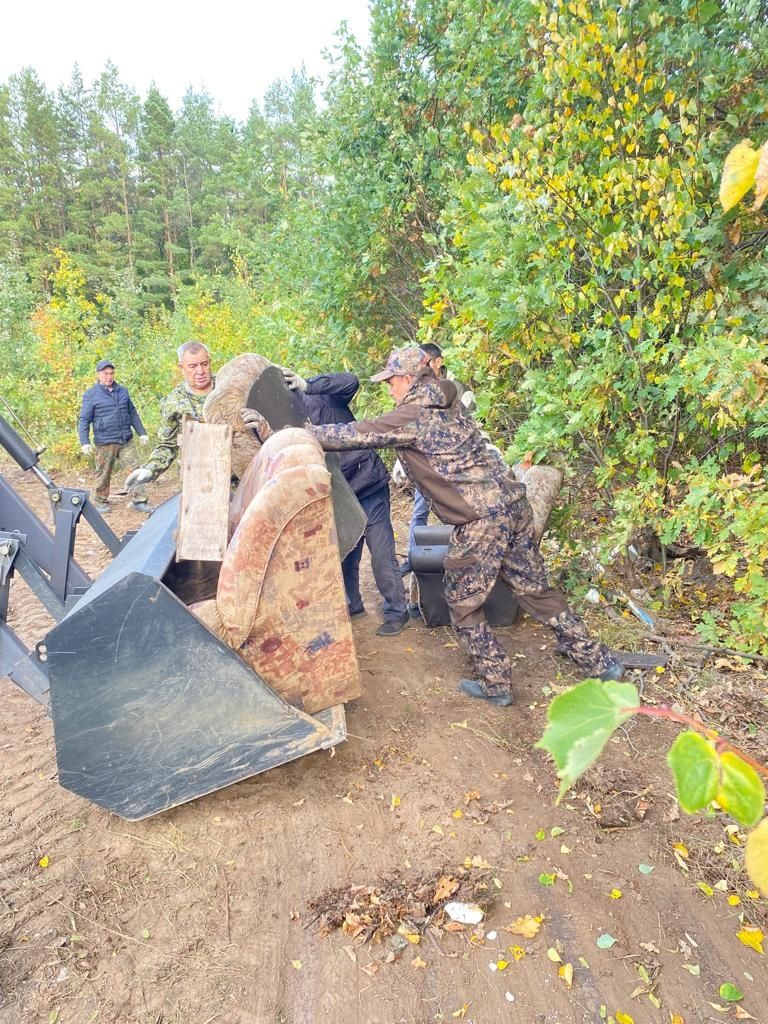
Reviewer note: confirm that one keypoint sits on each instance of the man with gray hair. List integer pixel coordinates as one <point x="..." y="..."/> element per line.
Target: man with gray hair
<point x="186" y="399"/>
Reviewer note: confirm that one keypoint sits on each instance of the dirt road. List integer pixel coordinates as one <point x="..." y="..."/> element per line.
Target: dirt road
<point x="201" y="915"/>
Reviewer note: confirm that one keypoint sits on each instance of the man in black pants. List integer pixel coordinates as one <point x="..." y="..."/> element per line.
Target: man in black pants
<point x="325" y="399"/>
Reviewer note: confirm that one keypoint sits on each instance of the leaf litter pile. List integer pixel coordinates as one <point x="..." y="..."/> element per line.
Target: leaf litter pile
<point x="375" y="912"/>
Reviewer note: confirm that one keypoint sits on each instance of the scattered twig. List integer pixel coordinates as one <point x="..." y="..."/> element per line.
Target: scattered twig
<point x="710" y="649"/>
<point x="226" y="905"/>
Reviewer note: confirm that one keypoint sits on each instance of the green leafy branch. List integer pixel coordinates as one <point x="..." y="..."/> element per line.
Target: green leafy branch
<point x="707" y="768"/>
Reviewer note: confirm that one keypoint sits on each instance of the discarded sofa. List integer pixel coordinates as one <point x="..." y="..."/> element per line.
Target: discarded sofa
<point x="280" y="598"/>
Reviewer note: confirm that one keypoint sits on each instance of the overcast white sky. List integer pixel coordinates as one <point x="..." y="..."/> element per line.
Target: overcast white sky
<point x="233" y="50"/>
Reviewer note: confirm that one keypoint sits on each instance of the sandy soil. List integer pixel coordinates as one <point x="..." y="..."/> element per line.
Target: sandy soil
<point x="201" y="914"/>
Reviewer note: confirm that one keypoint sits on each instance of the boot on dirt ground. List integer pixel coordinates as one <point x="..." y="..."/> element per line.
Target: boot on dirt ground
<point x="392" y="627"/>
<point x="612" y="673"/>
<point x="141" y="506"/>
<point x="474" y="688"/>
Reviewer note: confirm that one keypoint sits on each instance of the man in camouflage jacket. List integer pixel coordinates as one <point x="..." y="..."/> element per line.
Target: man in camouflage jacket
<point x="444" y="454"/>
<point x="186" y="399"/>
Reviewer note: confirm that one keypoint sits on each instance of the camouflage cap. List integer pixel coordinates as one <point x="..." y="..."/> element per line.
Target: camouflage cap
<point x="402" y="362"/>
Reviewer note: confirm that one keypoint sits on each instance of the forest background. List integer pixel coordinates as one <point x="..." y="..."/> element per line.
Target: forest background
<point x="531" y="185"/>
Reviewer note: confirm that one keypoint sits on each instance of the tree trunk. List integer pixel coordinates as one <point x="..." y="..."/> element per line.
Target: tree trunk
<point x="168" y="246"/>
<point x="126" y="213"/>
<point x="542" y="485"/>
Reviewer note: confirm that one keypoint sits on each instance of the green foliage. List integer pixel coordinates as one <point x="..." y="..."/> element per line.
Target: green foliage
<point x="695" y="767"/>
<point x="580" y="723"/>
<point x="708" y="772"/>
<point x="741" y="792"/>
<point x="592" y="277"/>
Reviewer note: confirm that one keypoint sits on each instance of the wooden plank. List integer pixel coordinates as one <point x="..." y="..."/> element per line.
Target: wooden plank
<point x="206" y="457"/>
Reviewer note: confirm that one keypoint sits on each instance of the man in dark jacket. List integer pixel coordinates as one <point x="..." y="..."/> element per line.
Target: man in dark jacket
<point x="325" y="399"/>
<point x="444" y="454"/>
<point x="108" y="409"/>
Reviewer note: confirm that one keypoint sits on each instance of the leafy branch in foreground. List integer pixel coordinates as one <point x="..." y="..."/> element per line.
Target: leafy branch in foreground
<point x="707" y="768"/>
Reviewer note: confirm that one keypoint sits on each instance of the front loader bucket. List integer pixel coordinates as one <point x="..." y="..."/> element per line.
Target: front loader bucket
<point x="149" y="708"/>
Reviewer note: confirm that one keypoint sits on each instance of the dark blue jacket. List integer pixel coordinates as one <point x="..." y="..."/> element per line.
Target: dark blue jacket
<point x="326" y="400"/>
<point x="112" y="414"/>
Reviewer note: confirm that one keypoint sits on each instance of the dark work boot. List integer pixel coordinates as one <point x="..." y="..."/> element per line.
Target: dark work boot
<point x="392" y="627"/>
<point x="360" y="610"/>
<point x="474" y="688"/>
<point x="613" y="672"/>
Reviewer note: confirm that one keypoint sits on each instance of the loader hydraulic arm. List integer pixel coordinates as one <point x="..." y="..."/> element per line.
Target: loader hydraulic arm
<point x="44" y="559"/>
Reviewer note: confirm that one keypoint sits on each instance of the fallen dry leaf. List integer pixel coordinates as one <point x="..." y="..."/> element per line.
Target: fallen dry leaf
<point x="446" y="886"/>
<point x="741" y="1014"/>
<point x="751" y="937"/>
<point x="566" y="973"/>
<point x="526" y="926"/>
<point x="418" y="963"/>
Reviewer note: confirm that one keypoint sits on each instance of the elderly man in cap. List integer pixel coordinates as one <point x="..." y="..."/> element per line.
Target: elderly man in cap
<point x="445" y="456"/>
<point x="108" y="409"/>
<point x="186" y="399"/>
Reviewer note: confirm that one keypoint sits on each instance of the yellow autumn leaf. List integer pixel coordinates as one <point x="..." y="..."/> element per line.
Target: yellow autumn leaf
<point x="458" y="813"/>
<point x="526" y="926"/>
<point x="761" y="178"/>
<point x="44" y="861"/>
<point x="738" y="175"/>
<point x="395" y="802"/>
<point x="624" y="1018"/>
<point x="461" y="1012"/>
<point x="517" y="952"/>
<point x="418" y="963"/>
<point x="756" y="856"/>
<point x="676" y="1018"/>
<point x="681" y="848"/>
<point x="554" y="956"/>
<point x="501" y="965"/>
<point x="751" y="937"/>
<point x="566" y="973"/>
<point x="296" y="964"/>
<point x="616" y="894"/>
<point x="734" y="901"/>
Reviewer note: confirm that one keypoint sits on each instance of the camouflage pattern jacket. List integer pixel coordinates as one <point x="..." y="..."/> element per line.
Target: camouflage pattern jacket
<point x="440" y="448"/>
<point x="174" y="407"/>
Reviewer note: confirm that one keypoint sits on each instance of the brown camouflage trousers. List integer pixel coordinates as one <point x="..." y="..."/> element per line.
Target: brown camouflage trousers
<point x="112" y="456"/>
<point x="502" y="544"/>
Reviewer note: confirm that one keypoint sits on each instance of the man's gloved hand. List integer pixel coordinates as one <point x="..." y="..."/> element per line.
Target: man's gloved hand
<point x="138" y="476"/>
<point x="256" y="422"/>
<point x="86" y="449"/>
<point x="399" y="479"/>
<point x="293" y="380"/>
<point x="468" y="400"/>
<point x="143" y="440"/>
